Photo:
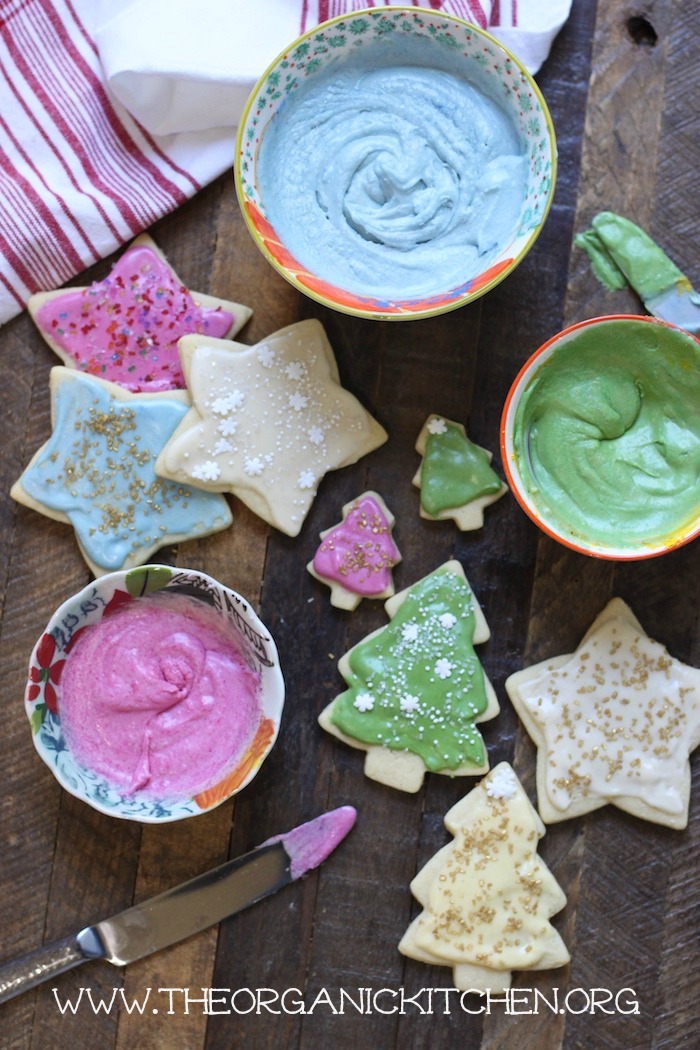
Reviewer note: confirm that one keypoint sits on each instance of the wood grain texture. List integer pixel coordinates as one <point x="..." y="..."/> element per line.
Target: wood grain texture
<point x="629" y="140"/>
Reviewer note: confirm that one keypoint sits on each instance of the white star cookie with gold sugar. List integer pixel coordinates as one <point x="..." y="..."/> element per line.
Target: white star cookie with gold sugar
<point x="267" y="422"/>
<point x="614" y="722"/>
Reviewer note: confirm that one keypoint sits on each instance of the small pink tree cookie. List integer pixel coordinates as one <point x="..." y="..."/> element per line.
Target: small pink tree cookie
<point x="355" y="558"/>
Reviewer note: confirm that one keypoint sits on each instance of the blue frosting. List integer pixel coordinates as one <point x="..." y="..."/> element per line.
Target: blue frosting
<point x="97" y="469"/>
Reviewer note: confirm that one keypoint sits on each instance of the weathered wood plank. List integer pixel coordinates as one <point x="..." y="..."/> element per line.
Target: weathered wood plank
<point x="627" y="141"/>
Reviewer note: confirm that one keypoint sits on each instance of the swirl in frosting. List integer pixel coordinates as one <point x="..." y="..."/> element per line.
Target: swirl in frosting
<point x="157" y="698"/>
<point x="607" y="435"/>
<point x="394" y="182"/>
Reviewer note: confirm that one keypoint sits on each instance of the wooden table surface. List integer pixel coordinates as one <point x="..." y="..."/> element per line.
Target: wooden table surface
<point x="621" y="83"/>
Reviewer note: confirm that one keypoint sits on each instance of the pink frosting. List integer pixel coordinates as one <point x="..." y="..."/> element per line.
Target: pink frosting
<point x="126" y="327"/>
<point x="157" y="698"/>
<point x="359" y="553"/>
<point x="309" y="844"/>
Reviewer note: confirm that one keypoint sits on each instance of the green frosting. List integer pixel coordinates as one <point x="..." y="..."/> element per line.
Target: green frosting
<point x="620" y="253"/>
<point x="417" y="685"/>
<point x="607" y="434"/>
<point x="455" y="471"/>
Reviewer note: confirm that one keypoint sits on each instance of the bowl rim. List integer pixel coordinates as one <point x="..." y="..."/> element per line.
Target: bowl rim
<point x="508" y="458"/>
<point x="274" y="689"/>
<point x="371" y="313"/>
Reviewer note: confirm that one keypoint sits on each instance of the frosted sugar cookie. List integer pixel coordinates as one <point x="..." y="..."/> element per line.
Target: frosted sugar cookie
<point x="487" y="897"/>
<point x="125" y="327"/>
<point x="455" y="477"/>
<point x="355" y="558"/>
<point x="613" y="722"/>
<point x="267" y="422"/>
<point x="416" y="688"/>
<point x="96" y="472"/>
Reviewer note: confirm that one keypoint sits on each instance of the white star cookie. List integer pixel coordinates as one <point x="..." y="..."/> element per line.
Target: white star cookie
<point x="613" y="722"/>
<point x="487" y="897"/>
<point x="267" y="422"/>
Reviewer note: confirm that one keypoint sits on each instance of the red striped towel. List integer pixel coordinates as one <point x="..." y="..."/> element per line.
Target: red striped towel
<point x="81" y="172"/>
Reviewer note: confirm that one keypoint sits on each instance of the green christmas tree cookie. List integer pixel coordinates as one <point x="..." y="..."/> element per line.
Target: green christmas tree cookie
<point x="416" y="688"/>
<point x="455" y="477"/>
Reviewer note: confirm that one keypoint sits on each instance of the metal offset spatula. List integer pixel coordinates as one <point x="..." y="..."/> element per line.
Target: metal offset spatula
<point x="186" y="909"/>
<point x="622" y="253"/>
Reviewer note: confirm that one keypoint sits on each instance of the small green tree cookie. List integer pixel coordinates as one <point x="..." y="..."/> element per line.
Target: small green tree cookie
<point x="455" y="477"/>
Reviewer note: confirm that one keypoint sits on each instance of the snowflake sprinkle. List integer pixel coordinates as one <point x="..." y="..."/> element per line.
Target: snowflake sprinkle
<point x="502" y="783"/>
<point x="223" y="405"/>
<point x="316" y="435"/>
<point x="297" y="402"/>
<point x="437" y="426"/>
<point x="409" y="704"/>
<point x="227" y="427"/>
<point x="443" y="668"/>
<point x="266" y="356"/>
<point x="253" y="466"/>
<point x="448" y="620"/>
<point x="409" y="632"/>
<point x="306" y="479"/>
<point x="208" y="471"/>
<point x="364" y="702"/>
<point x="221" y="446"/>
<point x="295" y="370"/>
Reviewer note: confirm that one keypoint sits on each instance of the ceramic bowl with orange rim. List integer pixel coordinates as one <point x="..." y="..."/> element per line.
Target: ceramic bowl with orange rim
<point x="600" y="437"/>
<point x="154" y="694"/>
<point x="395" y="163"/>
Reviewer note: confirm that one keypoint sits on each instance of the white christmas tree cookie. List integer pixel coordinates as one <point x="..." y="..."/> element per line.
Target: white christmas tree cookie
<point x="355" y="558"/>
<point x="613" y="722"/>
<point x="416" y="688"/>
<point x="267" y="422"/>
<point x="487" y="897"/>
<point x="455" y="477"/>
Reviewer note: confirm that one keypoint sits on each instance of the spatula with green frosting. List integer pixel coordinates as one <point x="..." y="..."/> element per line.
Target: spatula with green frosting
<point x="621" y="253"/>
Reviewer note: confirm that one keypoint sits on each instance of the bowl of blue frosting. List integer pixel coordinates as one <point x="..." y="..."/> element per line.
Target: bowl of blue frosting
<point x="395" y="163"/>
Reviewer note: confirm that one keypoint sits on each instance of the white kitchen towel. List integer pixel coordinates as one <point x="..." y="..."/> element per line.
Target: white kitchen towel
<point x="114" y="112"/>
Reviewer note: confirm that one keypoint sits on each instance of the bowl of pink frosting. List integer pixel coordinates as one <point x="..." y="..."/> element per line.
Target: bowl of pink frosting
<point x="154" y="694"/>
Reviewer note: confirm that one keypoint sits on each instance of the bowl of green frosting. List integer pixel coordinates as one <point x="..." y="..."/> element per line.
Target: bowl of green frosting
<point x="600" y="437"/>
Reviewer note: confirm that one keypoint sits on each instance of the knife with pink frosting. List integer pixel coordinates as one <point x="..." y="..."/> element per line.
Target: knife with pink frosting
<point x="186" y="909"/>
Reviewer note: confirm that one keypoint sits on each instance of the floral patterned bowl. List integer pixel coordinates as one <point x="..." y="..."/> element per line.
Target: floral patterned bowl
<point x="378" y="39"/>
<point x="100" y="598"/>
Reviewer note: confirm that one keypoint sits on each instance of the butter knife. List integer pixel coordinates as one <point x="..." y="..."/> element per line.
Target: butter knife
<point x="621" y="253"/>
<point x="186" y="909"/>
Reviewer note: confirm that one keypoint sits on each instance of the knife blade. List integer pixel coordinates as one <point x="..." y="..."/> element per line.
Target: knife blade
<point x="186" y="909"/>
<point x="621" y="253"/>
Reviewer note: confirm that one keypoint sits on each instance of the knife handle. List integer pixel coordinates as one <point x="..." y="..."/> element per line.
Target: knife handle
<point x="40" y="965"/>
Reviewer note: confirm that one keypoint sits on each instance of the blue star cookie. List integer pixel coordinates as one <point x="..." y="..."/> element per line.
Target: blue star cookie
<point x="97" y="472"/>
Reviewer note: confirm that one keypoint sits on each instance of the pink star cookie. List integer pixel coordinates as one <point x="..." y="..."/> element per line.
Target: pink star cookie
<point x="125" y="328"/>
